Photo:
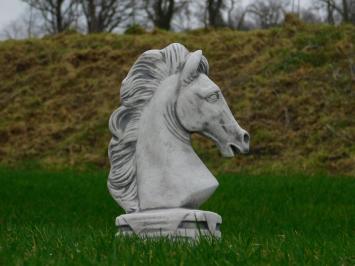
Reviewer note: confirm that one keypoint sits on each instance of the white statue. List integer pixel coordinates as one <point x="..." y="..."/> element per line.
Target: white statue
<point x="156" y="176"/>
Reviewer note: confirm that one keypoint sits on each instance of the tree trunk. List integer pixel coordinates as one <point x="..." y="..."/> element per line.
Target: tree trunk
<point x="330" y="14"/>
<point x="214" y="12"/>
<point x="352" y="11"/>
<point x="164" y="16"/>
<point x="346" y="17"/>
<point x="59" y="18"/>
<point x="92" y="23"/>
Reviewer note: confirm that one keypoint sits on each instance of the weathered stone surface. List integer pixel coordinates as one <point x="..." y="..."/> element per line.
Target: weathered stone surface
<point x="166" y="97"/>
<point x="179" y="222"/>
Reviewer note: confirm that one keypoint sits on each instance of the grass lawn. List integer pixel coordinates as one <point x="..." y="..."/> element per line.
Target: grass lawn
<point x="67" y="218"/>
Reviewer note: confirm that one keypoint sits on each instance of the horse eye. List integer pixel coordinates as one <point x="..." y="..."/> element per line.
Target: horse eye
<point x="212" y="97"/>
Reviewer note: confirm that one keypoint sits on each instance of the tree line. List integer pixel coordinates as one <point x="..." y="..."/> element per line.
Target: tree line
<point x="45" y="17"/>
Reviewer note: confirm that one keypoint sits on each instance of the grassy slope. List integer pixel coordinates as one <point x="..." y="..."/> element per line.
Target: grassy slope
<point x="291" y="88"/>
<point x="67" y="218"/>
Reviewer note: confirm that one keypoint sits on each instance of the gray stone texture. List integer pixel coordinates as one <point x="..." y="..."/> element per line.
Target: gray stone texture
<point x="156" y="176"/>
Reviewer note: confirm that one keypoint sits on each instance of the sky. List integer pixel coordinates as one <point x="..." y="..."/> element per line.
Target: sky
<point x="11" y="10"/>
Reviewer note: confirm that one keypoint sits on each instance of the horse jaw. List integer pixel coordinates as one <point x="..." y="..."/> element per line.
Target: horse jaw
<point x="232" y="147"/>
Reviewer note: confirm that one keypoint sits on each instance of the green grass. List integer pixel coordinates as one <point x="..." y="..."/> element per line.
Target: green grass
<point x="67" y="218"/>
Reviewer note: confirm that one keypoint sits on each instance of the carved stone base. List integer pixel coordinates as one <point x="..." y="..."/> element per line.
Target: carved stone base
<point x="185" y="223"/>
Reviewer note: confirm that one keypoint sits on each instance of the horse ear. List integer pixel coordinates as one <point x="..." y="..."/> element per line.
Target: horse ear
<point x="189" y="71"/>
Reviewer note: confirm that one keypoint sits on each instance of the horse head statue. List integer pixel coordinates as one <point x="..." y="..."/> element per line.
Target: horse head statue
<point x="166" y="96"/>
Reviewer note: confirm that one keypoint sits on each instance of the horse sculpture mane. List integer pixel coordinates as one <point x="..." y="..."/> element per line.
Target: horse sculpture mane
<point x="145" y="76"/>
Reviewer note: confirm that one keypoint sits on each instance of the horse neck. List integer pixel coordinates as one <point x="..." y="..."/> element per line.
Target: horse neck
<point x="169" y="173"/>
<point x="160" y="130"/>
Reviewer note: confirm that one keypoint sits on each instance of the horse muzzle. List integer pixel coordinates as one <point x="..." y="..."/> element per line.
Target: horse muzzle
<point x="239" y="144"/>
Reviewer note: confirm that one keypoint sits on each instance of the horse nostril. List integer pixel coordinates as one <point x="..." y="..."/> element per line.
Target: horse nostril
<point x="246" y="138"/>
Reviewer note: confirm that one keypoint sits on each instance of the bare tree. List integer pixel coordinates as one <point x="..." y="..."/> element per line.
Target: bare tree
<point x="215" y="10"/>
<point x="268" y="13"/>
<point x="216" y="13"/>
<point x="136" y="12"/>
<point x="345" y="8"/>
<point x="200" y="12"/>
<point x="58" y="15"/>
<point x="13" y="30"/>
<point x="219" y="13"/>
<point x="183" y="19"/>
<point x="295" y="7"/>
<point x="309" y="16"/>
<point x="347" y="11"/>
<point x="105" y="15"/>
<point x="26" y="26"/>
<point x="161" y="12"/>
<point x="236" y="15"/>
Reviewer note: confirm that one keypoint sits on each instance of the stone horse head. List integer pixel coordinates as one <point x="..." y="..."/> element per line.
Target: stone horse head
<point x="166" y="97"/>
